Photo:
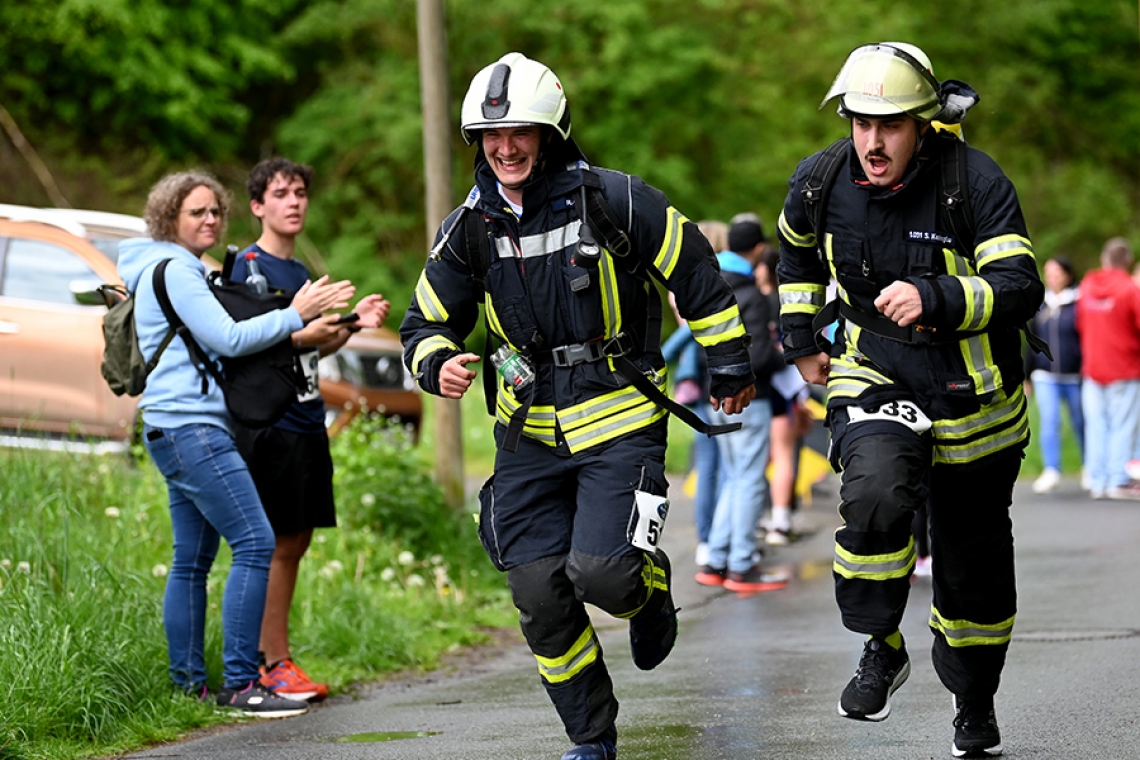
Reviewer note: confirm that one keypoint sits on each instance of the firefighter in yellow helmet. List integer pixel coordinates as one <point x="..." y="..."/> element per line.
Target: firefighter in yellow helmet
<point x="936" y="277"/>
<point x="565" y="259"/>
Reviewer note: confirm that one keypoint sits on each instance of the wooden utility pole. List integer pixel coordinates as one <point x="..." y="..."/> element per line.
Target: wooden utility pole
<point x="432" y="34"/>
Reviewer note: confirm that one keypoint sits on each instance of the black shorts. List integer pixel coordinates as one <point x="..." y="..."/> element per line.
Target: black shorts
<point x="293" y="473"/>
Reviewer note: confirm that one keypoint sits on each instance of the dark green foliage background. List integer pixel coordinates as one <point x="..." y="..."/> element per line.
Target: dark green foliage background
<point x="712" y="101"/>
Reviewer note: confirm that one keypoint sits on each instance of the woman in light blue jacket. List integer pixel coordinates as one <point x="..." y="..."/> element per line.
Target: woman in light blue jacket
<point x="188" y="434"/>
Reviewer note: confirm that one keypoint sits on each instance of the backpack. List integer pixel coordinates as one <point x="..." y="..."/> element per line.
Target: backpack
<point x="124" y="367"/>
<point x="260" y="387"/>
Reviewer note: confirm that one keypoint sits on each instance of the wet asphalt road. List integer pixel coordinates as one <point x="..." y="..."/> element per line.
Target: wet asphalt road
<point x="759" y="676"/>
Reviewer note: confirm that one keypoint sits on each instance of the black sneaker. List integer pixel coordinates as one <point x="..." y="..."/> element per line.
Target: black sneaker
<point x="976" y="731"/>
<point x="602" y="748"/>
<point x="653" y="634"/>
<point x="882" y="670"/>
<point x="260" y="702"/>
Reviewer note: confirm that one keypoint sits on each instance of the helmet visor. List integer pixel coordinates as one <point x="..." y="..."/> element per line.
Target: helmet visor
<point x="880" y="80"/>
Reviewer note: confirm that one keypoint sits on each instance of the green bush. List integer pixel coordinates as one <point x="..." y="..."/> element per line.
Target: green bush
<point x="85" y="547"/>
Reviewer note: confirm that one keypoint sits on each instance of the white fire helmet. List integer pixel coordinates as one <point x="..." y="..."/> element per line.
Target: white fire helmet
<point x="514" y="92"/>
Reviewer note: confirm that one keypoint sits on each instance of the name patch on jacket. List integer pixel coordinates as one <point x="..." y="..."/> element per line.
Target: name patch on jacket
<point x="922" y="236"/>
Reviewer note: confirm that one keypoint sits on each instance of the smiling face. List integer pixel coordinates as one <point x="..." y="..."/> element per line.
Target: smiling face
<point x="286" y="203"/>
<point x="513" y="155"/>
<point x="885" y="146"/>
<point x="199" y="221"/>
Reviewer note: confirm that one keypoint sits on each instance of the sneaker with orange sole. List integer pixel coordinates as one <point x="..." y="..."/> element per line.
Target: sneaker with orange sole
<point x="287" y="679"/>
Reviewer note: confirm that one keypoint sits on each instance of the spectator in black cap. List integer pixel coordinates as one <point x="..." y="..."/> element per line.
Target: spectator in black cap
<point x="732" y="561"/>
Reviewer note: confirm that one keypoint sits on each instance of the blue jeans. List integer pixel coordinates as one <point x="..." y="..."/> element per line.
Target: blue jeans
<point x="706" y="461"/>
<point x="743" y="486"/>
<point x="1050" y="393"/>
<point x="211" y="494"/>
<point x="1111" y="414"/>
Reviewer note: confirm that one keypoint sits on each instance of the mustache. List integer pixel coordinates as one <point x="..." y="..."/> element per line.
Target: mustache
<point x="877" y="154"/>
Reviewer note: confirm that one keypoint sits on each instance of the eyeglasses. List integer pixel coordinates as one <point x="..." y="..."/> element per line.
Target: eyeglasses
<point x="198" y="213"/>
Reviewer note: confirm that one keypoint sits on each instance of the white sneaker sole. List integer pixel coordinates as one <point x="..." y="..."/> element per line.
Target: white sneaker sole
<point x="881" y="715"/>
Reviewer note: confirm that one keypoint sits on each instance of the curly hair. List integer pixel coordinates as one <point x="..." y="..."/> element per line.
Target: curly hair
<point x="164" y="203"/>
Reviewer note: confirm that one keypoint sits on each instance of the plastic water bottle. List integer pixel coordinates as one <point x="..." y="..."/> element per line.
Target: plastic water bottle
<point x="255" y="279"/>
<point x="512" y="367"/>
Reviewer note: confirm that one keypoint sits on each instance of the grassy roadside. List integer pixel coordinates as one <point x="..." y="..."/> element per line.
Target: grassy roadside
<point x="84" y="551"/>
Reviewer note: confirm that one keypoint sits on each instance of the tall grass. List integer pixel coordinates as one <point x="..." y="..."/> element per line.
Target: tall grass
<point x="85" y="545"/>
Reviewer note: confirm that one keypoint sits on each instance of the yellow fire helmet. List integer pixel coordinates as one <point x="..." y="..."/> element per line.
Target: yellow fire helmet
<point x="887" y="79"/>
<point x="514" y="92"/>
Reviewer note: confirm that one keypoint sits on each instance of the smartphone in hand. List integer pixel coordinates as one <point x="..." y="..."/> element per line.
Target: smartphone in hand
<point x="348" y="319"/>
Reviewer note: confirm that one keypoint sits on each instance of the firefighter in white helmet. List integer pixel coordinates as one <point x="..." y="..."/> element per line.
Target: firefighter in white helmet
<point x="564" y="257"/>
<point x="936" y="276"/>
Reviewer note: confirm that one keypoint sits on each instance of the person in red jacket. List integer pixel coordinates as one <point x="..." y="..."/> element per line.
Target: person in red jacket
<point x="1108" y="319"/>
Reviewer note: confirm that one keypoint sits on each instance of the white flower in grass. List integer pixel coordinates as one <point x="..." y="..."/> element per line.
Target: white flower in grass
<point x="112" y="512"/>
<point x="5" y="563"/>
<point x="322" y="538"/>
<point x="368" y="499"/>
<point x="387" y="575"/>
<point x="331" y="568"/>
<point x="437" y="559"/>
<point x="406" y="558"/>
<point x="24" y="567"/>
<point x="159" y="571"/>
<point x="415" y="581"/>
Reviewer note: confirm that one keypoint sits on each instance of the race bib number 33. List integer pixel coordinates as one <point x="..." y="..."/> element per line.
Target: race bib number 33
<point x="903" y="412"/>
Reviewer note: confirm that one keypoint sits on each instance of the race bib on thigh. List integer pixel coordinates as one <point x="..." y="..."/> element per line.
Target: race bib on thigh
<point x="648" y="520"/>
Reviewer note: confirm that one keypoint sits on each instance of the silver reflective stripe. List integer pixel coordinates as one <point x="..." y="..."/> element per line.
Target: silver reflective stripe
<point x="875" y="568"/>
<point x="990" y="251"/>
<point x="732" y="323"/>
<point x="794" y="297"/>
<point x="976" y="357"/>
<point x="543" y="244"/>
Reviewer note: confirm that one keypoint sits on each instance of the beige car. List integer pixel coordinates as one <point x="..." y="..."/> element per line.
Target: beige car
<point x="51" y="336"/>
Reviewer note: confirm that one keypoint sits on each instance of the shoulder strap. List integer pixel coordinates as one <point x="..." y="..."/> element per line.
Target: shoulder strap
<point x="603" y="221"/>
<point x="198" y="357"/>
<point x="476" y="250"/>
<point x="954" y="195"/>
<point x="160" y="274"/>
<point x="817" y="189"/>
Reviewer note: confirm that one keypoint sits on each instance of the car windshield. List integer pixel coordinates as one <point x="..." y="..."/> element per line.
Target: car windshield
<point x="108" y="244"/>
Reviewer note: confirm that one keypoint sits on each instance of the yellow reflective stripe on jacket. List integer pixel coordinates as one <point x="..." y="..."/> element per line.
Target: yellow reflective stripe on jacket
<point x="793" y="237"/>
<point x="608" y="416"/>
<point x="581" y="653"/>
<point x="848" y="378"/>
<point x="979" y="296"/>
<point x="979" y="358"/>
<point x="540" y="419"/>
<point x="964" y="633"/>
<point x="1002" y="247"/>
<point x="430" y="305"/>
<point x="956" y="265"/>
<point x="718" y="328"/>
<point x="997" y="426"/>
<point x="493" y="321"/>
<point x="653" y="578"/>
<point x="875" y="567"/>
<point x="802" y="298"/>
<point x="611" y="301"/>
<point x="670" y="252"/>
<point x="429" y="346"/>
